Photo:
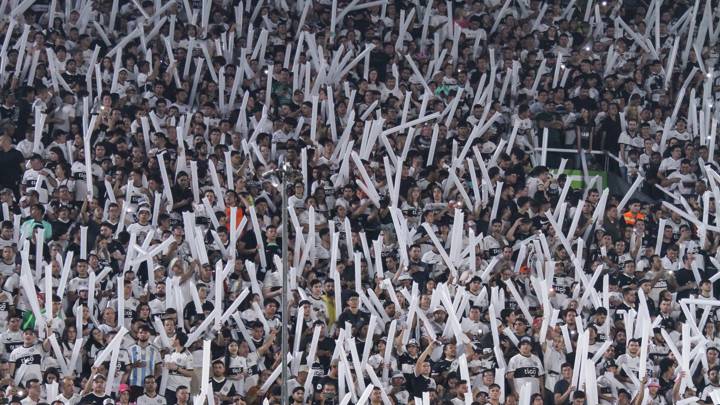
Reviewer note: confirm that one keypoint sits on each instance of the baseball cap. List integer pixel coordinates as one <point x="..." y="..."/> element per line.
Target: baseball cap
<point x="413" y="342"/>
<point x="525" y="340"/>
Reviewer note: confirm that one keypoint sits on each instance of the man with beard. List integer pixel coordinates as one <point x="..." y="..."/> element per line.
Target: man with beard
<point x="145" y="360"/>
<point x="713" y="385"/>
<point x="157" y="305"/>
<point x="496" y="240"/>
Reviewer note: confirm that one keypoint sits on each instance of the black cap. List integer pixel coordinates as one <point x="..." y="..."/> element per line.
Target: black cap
<point x="525" y="340"/>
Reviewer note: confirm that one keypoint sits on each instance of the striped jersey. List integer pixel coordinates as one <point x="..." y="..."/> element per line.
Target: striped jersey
<point x="150" y="355"/>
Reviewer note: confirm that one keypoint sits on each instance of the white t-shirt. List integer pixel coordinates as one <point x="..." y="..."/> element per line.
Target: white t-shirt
<point x="684" y="178"/>
<point x="156" y="400"/>
<point x="183" y="360"/>
<point x="28" y="361"/>
<point x="526" y="370"/>
<point x="669" y="164"/>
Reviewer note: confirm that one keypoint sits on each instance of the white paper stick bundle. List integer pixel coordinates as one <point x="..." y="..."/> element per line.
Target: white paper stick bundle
<point x="113" y="345"/>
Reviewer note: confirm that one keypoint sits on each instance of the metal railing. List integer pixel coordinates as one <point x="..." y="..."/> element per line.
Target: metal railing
<point x="608" y="157"/>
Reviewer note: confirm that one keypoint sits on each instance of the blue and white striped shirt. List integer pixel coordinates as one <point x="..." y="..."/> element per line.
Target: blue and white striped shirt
<point x="150" y="355"/>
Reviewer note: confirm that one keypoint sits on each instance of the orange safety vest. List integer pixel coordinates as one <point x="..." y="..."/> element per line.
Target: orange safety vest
<point x="631" y="218"/>
<point x="238" y="216"/>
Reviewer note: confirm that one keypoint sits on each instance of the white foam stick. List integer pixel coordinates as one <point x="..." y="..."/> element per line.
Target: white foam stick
<point x="83" y="242"/>
<point x="525" y="393"/>
<point x="216" y="184"/>
<point x="155" y="251"/>
<point x="113" y="345"/>
<point x="21" y="50"/>
<point x="38" y="129"/>
<point x="121" y="300"/>
<point x="388" y="348"/>
<point x="210" y="212"/>
<point x="361" y="56"/>
<point x="543" y="155"/>
<point x="301" y="24"/>
<point x="6" y="211"/>
<point x="630" y="193"/>
<point x="313" y="122"/>
<point x="478" y="131"/>
<point x="576" y="219"/>
<point x="65" y="273"/>
<point x="189" y="227"/>
<point x="126" y="40"/>
<point x="474" y="183"/>
<point x="268" y="86"/>
<point x="496" y="200"/>
<point x="33" y="66"/>
<point x="659" y="239"/>
<point x="195" y="181"/>
<point x="195" y="298"/>
<point x="218" y="292"/>
<point x="296" y="342"/>
<point x="691" y="32"/>
<point x="580" y="356"/>
<point x="440" y="248"/>
<point x="196" y="80"/>
<point x="682" y="362"/>
<point x="688" y="401"/>
<point x="366" y="393"/>
<point x="521" y="303"/>
<point x="417" y="73"/>
<point x="58" y="354"/>
<point x="703" y="302"/>
<point x="258" y="237"/>
<point x="20" y="8"/>
<point x="369" y="339"/>
<point x="372" y="191"/>
<point x="599" y="213"/>
<point x="113" y="367"/>
<point x="356" y="363"/>
<point x="243" y="331"/>
<point x="499" y="16"/>
<point x="333" y="19"/>
<point x="8" y="35"/>
<point x="642" y="371"/>
<point x="377" y="383"/>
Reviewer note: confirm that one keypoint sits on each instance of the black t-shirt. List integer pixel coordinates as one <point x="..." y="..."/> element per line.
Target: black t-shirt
<point x="419" y="384"/>
<point x="560" y="388"/>
<point x="326" y="344"/>
<point x="92" y="399"/>
<point x="10" y="162"/>
<point x="624" y="279"/>
<point x="353" y="319"/>
<point x="180" y="194"/>
<point x="683" y="277"/>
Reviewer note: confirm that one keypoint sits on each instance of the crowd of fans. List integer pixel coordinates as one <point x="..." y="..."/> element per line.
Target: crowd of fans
<point x="442" y="249"/>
